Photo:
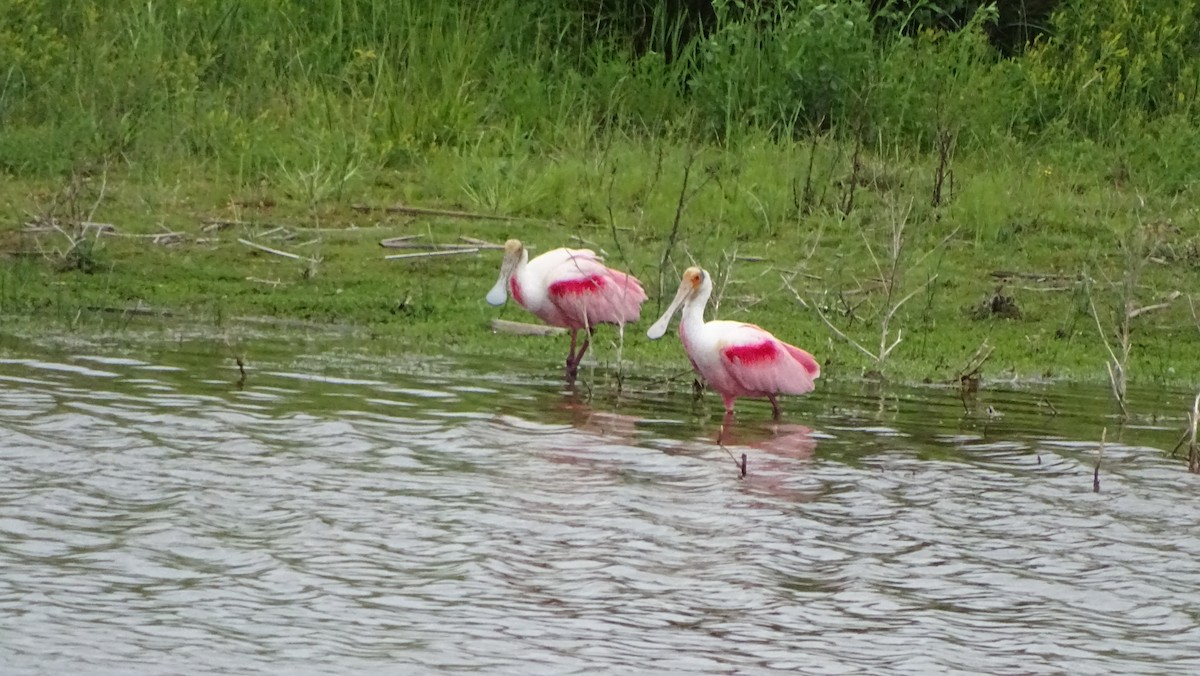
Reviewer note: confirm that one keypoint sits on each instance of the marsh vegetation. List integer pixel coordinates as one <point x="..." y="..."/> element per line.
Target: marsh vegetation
<point x="902" y="171"/>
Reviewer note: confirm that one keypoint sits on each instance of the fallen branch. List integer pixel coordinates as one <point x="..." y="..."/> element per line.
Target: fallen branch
<point x="1035" y="276"/>
<point x="276" y="252"/>
<point x="426" y="211"/>
<point x="431" y="254"/>
<point x="211" y="224"/>
<point x="152" y="236"/>
<point x="481" y="243"/>
<point x="388" y="244"/>
<point x="1159" y="306"/>
<point x="523" y="329"/>
<point x="398" y="242"/>
<point x="274" y="283"/>
<point x="138" y="310"/>
<point x="50" y="225"/>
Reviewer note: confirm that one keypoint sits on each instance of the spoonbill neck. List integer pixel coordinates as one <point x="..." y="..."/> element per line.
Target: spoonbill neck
<point x="692" y="316"/>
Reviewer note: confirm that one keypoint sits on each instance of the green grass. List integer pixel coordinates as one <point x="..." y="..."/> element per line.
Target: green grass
<point x="1017" y="215"/>
<point x="801" y="138"/>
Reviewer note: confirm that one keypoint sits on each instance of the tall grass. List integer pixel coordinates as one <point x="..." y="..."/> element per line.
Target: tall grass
<point x="267" y="89"/>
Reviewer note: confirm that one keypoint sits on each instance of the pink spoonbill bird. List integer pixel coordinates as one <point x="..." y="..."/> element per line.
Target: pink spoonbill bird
<point x="571" y="288"/>
<point x="736" y="359"/>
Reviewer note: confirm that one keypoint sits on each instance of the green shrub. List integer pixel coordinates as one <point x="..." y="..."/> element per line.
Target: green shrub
<point x="1108" y="63"/>
<point x="782" y="67"/>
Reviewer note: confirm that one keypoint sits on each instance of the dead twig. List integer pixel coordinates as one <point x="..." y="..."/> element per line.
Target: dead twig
<point x="212" y="224"/>
<point x="398" y="242"/>
<point x="137" y="310"/>
<point x="1034" y="276"/>
<point x="431" y="254"/>
<point x="274" y="283"/>
<point x="1136" y="312"/>
<point x="481" y="243"/>
<point x="429" y="211"/>
<point x="52" y="224"/>
<point x="1099" y="456"/>
<point x="428" y="246"/>
<point x="277" y="252"/>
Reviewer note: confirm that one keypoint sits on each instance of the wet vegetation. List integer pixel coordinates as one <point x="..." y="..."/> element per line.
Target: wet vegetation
<point x="931" y="176"/>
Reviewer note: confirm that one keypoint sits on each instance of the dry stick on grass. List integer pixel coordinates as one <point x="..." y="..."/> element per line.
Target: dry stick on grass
<point x="426" y="211"/>
<point x="397" y="242"/>
<point x="53" y="225"/>
<point x="273" y="283"/>
<point x="211" y="224"/>
<point x="431" y="254"/>
<point x="481" y="243"/>
<point x="428" y="246"/>
<point x="277" y="252"/>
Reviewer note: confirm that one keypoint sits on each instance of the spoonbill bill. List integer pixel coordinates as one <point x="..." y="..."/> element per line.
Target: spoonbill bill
<point x="571" y="288"/>
<point x="736" y="359"/>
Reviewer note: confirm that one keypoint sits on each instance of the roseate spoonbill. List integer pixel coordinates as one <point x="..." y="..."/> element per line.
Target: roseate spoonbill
<point x="736" y="359"/>
<point x="571" y="288"/>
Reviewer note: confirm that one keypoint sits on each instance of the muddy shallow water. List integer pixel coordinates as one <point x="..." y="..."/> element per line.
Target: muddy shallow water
<point x="157" y="518"/>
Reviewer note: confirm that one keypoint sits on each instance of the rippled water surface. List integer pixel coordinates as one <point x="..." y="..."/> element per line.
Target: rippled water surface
<point x="157" y="518"/>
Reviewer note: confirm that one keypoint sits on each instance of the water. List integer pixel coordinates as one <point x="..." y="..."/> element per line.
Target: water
<point x="364" y="518"/>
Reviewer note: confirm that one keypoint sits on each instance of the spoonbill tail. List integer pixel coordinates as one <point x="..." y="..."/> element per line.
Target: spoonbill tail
<point x="571" y="288"/>
<point x="736" y="359"/>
